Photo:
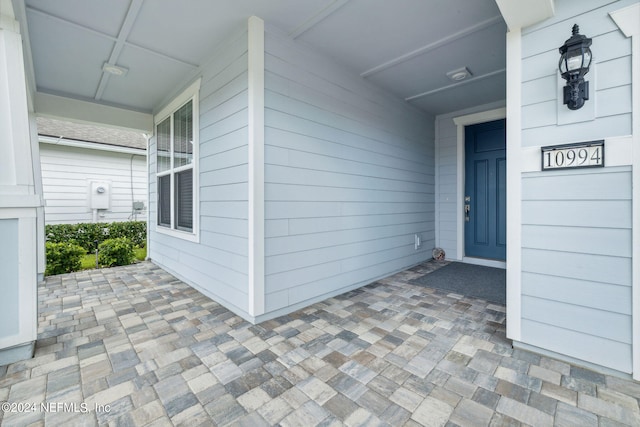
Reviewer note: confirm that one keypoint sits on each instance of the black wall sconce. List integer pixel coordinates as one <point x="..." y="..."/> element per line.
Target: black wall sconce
<point x="575" y="59"/>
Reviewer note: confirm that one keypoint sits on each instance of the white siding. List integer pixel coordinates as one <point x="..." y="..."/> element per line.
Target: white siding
<point x="576" y="225"/>
<point x="68" y="171"/>
<point x="349" y="179"/>
<point x="218" y="264"/>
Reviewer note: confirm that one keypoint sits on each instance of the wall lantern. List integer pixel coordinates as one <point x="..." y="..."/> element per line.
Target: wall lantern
<point x="575" y="58"/>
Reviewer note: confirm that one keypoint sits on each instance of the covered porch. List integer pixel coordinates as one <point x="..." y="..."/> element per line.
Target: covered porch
<point x="300" y="151"/>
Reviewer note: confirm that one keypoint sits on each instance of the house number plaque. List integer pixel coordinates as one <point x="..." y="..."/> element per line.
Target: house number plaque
<point x="572" y="156"/>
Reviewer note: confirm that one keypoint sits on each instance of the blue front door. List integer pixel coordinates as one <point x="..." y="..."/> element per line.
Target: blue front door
<point x="485" y="226"/>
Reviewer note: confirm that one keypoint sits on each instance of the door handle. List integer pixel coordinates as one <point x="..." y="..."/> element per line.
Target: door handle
<point x="467" y="210"/>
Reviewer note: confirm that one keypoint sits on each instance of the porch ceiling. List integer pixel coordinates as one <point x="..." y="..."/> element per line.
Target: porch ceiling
<point x="404" y="46"/>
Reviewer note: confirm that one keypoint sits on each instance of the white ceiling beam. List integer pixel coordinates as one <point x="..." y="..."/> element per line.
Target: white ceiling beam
<point x="462" y="83"/>
<point x="125" y="30"/>
<point x="431" y="46"/>
<point x="317" y="18"/>
<point x="524" y="13"/>
<point x="92" y="113"/>
<point x="107" y="36"/>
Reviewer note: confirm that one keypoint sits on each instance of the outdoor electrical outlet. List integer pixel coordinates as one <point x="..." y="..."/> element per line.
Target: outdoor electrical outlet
<point x="418" y="242"/>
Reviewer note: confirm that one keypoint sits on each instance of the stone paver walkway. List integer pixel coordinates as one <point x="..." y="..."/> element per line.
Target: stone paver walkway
<point x="133" y="346"/>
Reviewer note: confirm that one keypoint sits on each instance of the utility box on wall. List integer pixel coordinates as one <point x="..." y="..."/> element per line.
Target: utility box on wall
<point x="99" y="195"/>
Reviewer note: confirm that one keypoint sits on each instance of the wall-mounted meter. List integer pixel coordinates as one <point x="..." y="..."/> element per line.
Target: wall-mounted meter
<point x="99" y="195"/>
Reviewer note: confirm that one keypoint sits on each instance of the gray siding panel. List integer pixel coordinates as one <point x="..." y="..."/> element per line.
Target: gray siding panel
<point x="218" y="265"/>
<point x="598" y="241"/>
<point x="348" y="179"/>
<point x="610" y="213"/>
<point x="576" y="224"/>
<point x="586" y="293"/>
<point x="607" y="184"/>
<point x="601" y="323"/>
<point x="605" y="127"/>
<point x="9" y="265"/>
<point x="614" y="270"/>
<point x="576" y="262"/>
<point x="610" y="91"/>
<point x="332" y="239"/>
<point x="594" y="349"/>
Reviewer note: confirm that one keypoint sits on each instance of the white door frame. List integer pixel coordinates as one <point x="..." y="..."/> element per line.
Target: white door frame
<point x="461" y="122"/>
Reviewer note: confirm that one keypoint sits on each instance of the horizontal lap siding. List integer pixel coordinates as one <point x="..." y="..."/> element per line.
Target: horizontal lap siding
<point x="68" y="171"/>
<point x="610" y="91"/>
<point x="447" y="162"/>
<point x="576" y="224"/>
<point x="576" y="264"/>
<point x="348" y="179"/>
<point x="218" y="265"/>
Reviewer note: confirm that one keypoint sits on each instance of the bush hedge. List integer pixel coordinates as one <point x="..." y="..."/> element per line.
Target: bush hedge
<point x="63" y="257"/>
<point x="118" y="251"/>
<point x="85" y="234"/>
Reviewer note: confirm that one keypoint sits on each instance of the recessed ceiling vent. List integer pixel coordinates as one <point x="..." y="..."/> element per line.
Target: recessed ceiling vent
<point x="459" y="74"/>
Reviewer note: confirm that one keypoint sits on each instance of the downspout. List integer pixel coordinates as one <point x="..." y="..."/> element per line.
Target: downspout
<point x="39" y="191"/>
<point x="134" y="215"/>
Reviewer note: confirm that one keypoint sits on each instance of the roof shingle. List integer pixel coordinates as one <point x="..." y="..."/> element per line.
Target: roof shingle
<point x="90" y="133"/>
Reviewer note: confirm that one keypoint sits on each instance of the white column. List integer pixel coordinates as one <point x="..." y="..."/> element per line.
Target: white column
<point x="256" y="167"/>
<point x="20" y="202"/>
<point x="628" y="19"/>
<point x="514" y="182"/>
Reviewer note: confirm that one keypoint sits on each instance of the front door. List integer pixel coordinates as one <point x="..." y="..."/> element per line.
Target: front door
<point x="485" y="201"/>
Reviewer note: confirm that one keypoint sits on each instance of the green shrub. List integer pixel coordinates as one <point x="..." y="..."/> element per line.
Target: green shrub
<point x="63" y="258"/>
<point x="118" y="251"/>
<point x="61" y="233"/>
<point x="136" y="231"/>
<point x="86" y="234"/>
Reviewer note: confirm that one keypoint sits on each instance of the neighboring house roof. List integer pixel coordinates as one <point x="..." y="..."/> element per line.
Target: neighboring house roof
<point x="90" y="133"/>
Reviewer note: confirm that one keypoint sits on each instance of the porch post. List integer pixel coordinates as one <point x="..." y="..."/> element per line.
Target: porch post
<point x="256" y="167"/>
<point x="627" y="20"/>
<point x="20" y="203"/>
<point x="514" y="189"/>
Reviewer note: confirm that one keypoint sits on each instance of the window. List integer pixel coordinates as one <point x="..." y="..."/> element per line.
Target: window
<point x="176" y="158"/>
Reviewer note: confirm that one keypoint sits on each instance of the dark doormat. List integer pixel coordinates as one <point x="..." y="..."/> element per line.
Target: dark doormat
<point x="477" y="281"/>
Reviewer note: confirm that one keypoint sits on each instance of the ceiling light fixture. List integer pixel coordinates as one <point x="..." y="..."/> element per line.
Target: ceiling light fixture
<point x="114" y="69"/>
<point x="459" y="74"/>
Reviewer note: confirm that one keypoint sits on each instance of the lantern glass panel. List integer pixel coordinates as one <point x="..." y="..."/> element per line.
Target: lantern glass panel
<point x="563" y="63"/>
<point x="574" y="62"/>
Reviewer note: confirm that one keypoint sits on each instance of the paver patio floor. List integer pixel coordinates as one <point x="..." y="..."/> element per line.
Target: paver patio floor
<point x="133" y="346"/>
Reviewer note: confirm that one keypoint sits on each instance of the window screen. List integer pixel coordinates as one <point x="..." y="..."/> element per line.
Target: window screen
<point x="184" y="200"/>
<point x="164" y="200"/>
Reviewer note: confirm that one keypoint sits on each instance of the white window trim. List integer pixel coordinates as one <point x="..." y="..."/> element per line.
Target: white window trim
<point x="190" y="93"/>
